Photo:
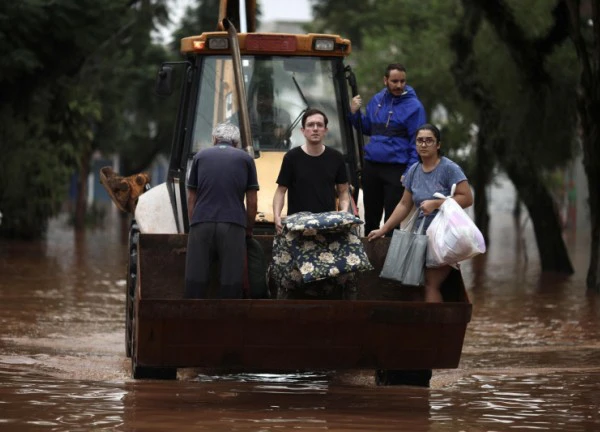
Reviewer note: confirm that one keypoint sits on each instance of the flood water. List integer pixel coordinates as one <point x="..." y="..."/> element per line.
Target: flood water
<point x="531" y="357"/>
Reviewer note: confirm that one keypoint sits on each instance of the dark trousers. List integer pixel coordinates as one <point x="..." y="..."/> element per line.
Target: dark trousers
<point x="382" y="190"/>
<point x="209" y="242"/>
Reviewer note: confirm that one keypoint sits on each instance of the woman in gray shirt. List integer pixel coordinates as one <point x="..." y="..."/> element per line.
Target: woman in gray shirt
<point x="433" y="173"/>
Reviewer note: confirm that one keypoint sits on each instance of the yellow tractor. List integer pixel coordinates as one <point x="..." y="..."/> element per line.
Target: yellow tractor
<point x="228" y="76"/>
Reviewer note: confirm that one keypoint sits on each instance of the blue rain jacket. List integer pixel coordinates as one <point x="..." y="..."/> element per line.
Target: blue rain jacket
<point x="392" y="122"/>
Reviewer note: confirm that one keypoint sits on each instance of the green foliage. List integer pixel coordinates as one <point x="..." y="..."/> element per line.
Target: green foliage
<point x="538" y="119"/>
<point x="202" y="17"/>
<point x="74" y="77"/>
<point x="416" y="33"/>
<point x="347" y="18"/>
<point x="33" y="177"/>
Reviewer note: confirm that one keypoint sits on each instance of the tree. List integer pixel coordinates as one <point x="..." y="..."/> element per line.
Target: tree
<point x="585" y="34"/>
<point x="349" y="18"/>
<point x="499" y="66"/>
<point x="56" y="56"/>
<point x="38" y="154"/>
<point x="538" y="100"/>
<point x="118" y="76"/>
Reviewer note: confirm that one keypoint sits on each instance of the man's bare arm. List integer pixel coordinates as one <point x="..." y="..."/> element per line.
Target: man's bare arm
<point x="278" y="200"/>
<point x="343" y="196"/>
<point x="192" y="195"/>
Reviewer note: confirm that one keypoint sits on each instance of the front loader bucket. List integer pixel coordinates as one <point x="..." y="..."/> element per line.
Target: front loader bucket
<point x="388" y="327"/>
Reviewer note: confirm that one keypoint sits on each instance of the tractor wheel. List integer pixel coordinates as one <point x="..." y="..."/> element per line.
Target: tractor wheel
<point x="418" y="378"/>
<point x="130" y="285"/>
<point x="143" y="372"/>
<point x="146" y="372"/>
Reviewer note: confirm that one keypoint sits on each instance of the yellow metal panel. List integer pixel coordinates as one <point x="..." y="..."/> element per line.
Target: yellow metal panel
<point x="267" y="167"/>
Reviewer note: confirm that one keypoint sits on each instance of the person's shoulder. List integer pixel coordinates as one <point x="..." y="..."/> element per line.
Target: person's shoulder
<point x="449" y="163"/>
<point x="246" y="155"/>
<point x="333" y="153"/>
<point x="411" y="170"/>
<point x="410" y="97"/>
<point x="413" y="167"/>
<point x="378" y="97"/>
<point x="294" y="151"/>
<point x="332" y="150"/>
<point x="202" y="153"/>
<point x="240" y="154"/>
<point x="410" y="92"/>
<point x="409" y="175"/>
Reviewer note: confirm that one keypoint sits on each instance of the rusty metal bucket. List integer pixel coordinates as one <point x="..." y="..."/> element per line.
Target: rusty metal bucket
<point x="388" y="327"/>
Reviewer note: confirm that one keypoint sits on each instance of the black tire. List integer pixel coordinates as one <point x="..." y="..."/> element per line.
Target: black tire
<point x="145" y="372"/>
<point x="419" y="378"/>
<point x="138" y="372"/>
<point x="130" y="285"/>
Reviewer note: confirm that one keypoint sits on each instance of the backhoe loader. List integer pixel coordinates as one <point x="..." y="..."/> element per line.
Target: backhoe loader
<point x="225" y="75"/>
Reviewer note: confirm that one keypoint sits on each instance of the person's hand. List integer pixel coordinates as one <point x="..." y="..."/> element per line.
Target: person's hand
<point x="428" y="206"/>
<point x="355" y="104"/>
<point x="278" y="225"/>
<point x="375" y="234"/>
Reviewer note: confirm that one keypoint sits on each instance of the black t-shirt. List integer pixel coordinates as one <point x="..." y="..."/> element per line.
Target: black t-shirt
<point x="311" y="180"/>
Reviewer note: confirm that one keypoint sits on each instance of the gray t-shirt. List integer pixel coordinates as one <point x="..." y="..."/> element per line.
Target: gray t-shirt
<point x="423" y="185"/>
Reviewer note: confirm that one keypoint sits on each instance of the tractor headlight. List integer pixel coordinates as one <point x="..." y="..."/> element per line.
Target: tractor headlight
<point x="324" y="44"/>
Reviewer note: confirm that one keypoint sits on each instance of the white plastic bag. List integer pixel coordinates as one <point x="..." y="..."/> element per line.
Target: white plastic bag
<point x="452" y="236"/>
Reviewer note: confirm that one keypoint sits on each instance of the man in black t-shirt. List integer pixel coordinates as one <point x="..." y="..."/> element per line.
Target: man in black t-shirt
<point x="311" y="174"/>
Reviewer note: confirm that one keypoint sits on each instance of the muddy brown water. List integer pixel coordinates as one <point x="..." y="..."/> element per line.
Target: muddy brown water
<point x="531" y="358"/>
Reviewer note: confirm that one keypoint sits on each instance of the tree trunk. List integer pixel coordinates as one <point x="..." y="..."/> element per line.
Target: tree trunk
<point x="544" y="216"/>
<point x="592" y="279"/>
<point x="522" y="172"/>
<point x="82" y="191"/>
<point x="588" y="106"/>
<point x="481" y="178"/>
<point x="590" y="113"/>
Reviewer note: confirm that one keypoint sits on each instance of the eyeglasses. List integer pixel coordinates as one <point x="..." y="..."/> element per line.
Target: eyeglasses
<point x="429" y="141"/>
<point x="314" y="125"/>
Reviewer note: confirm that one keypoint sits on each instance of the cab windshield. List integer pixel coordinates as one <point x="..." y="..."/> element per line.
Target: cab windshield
<point x="278" y="90"/>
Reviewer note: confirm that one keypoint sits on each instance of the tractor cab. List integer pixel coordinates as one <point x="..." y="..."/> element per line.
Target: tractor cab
<point x="283" y="76"/>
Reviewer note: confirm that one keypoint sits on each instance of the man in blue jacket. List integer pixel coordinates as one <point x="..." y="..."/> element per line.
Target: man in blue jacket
<point x="391" y="120"/>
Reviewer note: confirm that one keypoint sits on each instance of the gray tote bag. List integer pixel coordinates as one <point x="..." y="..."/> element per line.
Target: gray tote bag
<point x="405" y="259"/>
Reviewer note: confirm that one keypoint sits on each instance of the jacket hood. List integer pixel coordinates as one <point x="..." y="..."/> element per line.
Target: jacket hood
<point x="409" y="93"/>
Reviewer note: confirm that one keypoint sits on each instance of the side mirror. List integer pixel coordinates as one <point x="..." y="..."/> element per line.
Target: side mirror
<point x="164" y="81"/>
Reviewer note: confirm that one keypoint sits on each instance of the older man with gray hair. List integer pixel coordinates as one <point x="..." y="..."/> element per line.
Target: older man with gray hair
<point x="219" y="180"/>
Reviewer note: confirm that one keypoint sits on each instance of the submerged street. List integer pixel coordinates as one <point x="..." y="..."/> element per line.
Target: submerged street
<point x="531" y="357"/>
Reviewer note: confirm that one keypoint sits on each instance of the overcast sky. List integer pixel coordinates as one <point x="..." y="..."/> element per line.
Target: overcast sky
<point x="272" y="10"/>
<point x="297" y="10"/>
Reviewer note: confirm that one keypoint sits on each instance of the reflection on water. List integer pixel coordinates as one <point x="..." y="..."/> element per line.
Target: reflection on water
<point x="32" y="401"/>
<point x="531" y="359"/>
<point x="490" y="400"/>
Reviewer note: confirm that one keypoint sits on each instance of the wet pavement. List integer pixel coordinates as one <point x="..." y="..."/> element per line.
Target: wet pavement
<point x="531" y="357"/>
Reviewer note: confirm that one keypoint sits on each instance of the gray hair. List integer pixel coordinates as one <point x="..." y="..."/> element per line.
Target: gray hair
<point x="227" y="132"/>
